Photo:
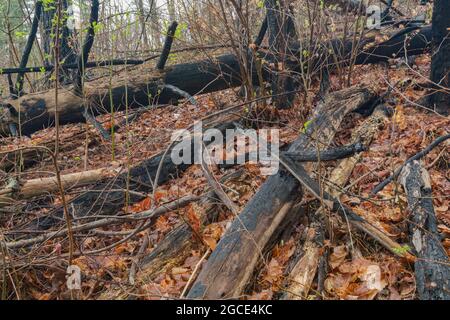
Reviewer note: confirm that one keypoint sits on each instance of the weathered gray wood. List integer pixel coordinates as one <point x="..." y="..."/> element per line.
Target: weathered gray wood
<point x="305" y="268"/>
<point x="231" y="265"/>
<point x="432" y="268"/>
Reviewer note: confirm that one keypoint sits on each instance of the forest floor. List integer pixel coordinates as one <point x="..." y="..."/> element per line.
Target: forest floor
<point x="353" y="261"/>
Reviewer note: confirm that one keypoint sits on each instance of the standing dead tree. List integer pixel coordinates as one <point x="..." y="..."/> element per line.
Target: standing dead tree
<point x="28" y="46"/>
<point x="440" y="65"/>
<point x="281" y="33"/>
<point x="432" y="268"/>
<point x="67" y="50"/>
<point x="87" y="46"/>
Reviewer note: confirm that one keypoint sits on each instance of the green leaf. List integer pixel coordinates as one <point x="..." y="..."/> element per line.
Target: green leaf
<point x="401" y="250"/>
<point x="306" y="126"/>
<point x="20" y="34"/>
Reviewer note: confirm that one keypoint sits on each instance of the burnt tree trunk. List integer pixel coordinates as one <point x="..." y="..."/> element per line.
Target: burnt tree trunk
<point x="440" y="64"/>
<point x="232" y="263"/>
<point x="87" y="46"/>
<point x="109" y="196"/>
<point x="38" y="109"/>
<point x="432" y="268"/>
<point x="28" y="46"/>
<point x="66" y="50"/>
<point x="304" y="270"/>
<point x="281" y="32"/>
<point x="146" y="87"/>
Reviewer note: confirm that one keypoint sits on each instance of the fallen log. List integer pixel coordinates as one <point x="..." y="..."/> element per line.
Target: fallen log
<point x="304" y="271"/>
<point x="176" y="245"/>
<point x="432" y="268"/>
<point x="109" y="196"/>
<point x="145" y="215"/>
<point x="37" y="110"/>
<point x="326" y="155"/>
<point x="28" y="157"/>
<point x="346" y="213"/>
<point x="230" y="266"/>
<point x="415" y="157"/>
<point x="41" y="186"/>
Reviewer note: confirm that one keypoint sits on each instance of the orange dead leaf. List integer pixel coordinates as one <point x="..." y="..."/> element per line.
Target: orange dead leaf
<point x="193" y="217"/>
<point x="141" y="206"/>
<point x="211" y="242"/>
<point x="399" y="117"/>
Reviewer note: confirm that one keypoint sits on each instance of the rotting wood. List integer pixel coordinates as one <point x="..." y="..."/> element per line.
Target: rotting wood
<point x="304" y="271"/>
<point x="42" y="186"/>
<point x="109" y="196"/>
<point x="230" y="266"/>
<point x="37" y="110"/>
<point x="432" y="268"/>
<point x="178" y="243"/>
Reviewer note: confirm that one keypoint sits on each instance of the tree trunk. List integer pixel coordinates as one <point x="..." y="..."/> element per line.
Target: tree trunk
<point x="143" y="35"/>
<point x="66" y="51"/>
<point x="305" y="269"/>
<point x="440" y="64"/>
<point x="109" y="196"/>
<point x="38" y="110"/>
<point x="232" y="263"/>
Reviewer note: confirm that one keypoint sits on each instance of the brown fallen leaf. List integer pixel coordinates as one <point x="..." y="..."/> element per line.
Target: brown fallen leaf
<point x="337" y="257"/>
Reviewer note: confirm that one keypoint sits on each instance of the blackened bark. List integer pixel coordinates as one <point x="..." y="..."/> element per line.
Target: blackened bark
<point x="281" y="31"/>
<point x="432" y="267"/>
<point x="37" y="110"/>
<point x="232" y="263"/>
<point x="108" y="197"/>
<point x="66" y="52"/>
<point x="87" y="46"/>
<point x="28" y="46"/>
<point x="440" y="65"/>
<point x="262" y="32"/>
<point x="167" y="46"/>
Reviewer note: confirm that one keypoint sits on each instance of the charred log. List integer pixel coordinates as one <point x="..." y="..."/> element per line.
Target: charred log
<point x="109" y="196"/>
<point x="37" y="110"/>
<point x="232" y="263"/>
